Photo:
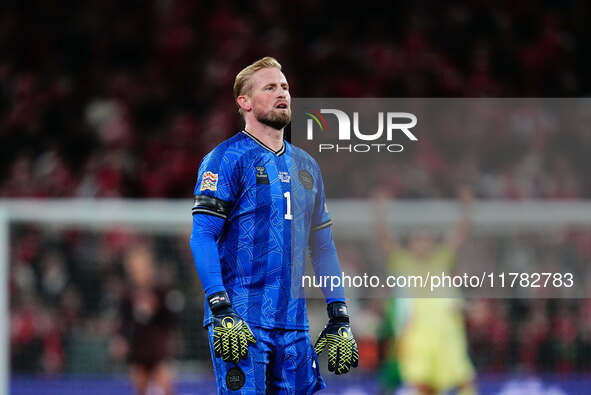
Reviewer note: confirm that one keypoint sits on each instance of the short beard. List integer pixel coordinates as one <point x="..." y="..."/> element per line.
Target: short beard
<point x="275" y="120"/>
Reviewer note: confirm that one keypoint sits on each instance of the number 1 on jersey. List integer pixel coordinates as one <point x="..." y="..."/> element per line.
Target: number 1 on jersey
<point x="288" y="214"/>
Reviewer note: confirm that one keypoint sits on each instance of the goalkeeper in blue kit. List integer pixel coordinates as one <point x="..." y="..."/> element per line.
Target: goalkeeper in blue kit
<point x="259" y="209"/>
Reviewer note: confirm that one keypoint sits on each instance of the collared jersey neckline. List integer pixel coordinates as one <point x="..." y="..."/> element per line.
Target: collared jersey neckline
<point x="259" y="142"/>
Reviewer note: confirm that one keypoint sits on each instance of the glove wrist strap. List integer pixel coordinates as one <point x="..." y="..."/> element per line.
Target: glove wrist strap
<point x="219" y="301"/>
<point x="337" y="311"/>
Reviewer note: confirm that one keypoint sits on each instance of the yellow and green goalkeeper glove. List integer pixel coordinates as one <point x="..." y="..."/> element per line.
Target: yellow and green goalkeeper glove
<point x="338" y="340"/>
<point x="231" y="335"/>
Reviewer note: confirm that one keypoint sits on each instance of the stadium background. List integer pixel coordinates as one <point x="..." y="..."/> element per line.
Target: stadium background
<point x="106" y="99"/>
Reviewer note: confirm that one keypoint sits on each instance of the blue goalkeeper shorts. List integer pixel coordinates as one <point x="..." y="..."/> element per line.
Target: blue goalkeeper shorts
<point x="282" y="361"/>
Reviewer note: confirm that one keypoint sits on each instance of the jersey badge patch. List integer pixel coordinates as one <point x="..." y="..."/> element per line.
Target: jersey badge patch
<point x="262" y="176"/>
<point x="209" y="181"/>
<point x="284" y="176"/>
<point x="235" y="379"/>
<point x="306" y="179"/>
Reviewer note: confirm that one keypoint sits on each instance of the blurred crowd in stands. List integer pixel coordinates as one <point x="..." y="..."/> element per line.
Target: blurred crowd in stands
<point x="68" y="287"/>
<point x="78" y="304"/>
<point x="104" y="99"/>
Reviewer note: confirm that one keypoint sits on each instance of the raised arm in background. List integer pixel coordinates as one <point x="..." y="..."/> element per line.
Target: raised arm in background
<point x="456" y="238"/>
<point x="386" y="241"/>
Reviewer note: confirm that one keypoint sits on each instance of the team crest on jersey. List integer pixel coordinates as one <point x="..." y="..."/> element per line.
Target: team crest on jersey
<point x="284" y="176"/>
<point x="209" y="181"/>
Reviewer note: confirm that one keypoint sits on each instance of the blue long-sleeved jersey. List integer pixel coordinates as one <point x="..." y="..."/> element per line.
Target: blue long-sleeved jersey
<point x="255" y="215"/>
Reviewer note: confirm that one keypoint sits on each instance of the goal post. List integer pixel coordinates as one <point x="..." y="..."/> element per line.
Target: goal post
<point x="352" y="217"/>
<point x="4" y="301"/>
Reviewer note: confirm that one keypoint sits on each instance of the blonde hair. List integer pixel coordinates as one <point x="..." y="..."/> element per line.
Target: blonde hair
<point x="241" y="85"/>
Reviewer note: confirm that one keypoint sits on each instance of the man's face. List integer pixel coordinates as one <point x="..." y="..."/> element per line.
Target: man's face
<point x="270" y="99"/>
<point x="140" y="266"/>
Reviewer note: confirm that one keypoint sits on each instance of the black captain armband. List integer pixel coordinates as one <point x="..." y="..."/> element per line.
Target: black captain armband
<point x="323" y="225"/>
<point x="203" y="204"/>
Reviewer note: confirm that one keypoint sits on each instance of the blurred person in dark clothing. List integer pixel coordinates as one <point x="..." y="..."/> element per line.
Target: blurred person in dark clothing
<point x="148" y="323"/>
<point x="26" y="339"/>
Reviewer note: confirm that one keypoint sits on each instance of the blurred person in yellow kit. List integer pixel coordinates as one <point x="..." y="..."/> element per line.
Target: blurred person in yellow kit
<point x="430" y="344"/>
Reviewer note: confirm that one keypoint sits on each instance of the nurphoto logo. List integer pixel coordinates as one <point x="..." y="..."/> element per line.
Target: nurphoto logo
<point x="395" y="123"/>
